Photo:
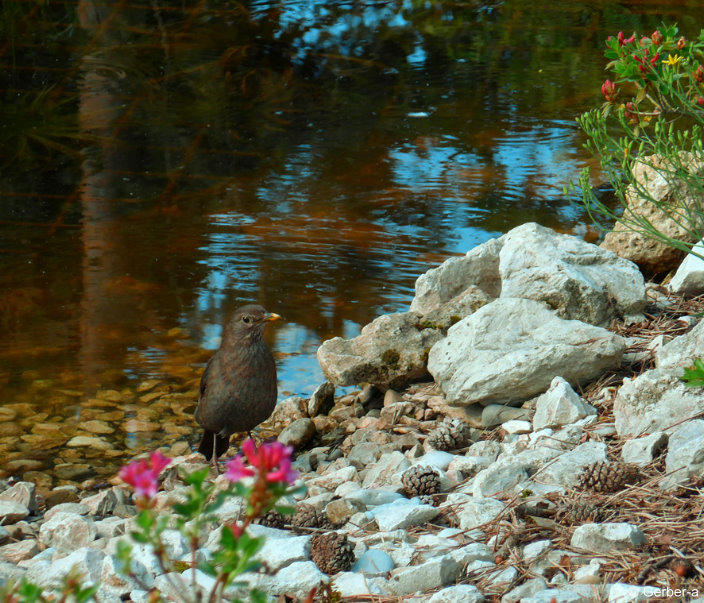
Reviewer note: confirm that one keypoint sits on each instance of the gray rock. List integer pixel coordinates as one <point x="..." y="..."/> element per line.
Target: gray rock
<point x="511" y="350"/>
<point x="496" y="414"/>
<point x="340" y="510"/>
<point x="23" y="493"/>
<point x="454" y="310"/>
<point x="403" y="513"/>
<point x="333" y="479"/>
<point x="682" y="350"/>
<point x="297" y="580"/>
<point x="630" y="593"/>
<point x="67" y="507"/>
<point x="479" y="269"/>
<point x="565" y="469"/>
<point x="12" y="512"/>
<point x="424" y="577"/>
<point x="525" y="590"/>
<point x="461" y="593"/>
<point x="436" y="458"/>
<point x="685" y="453"/>
<point x="560" y="405"/>
<point x="577" y="593"/>
<point x="498" y="478"/>
<point x="383" y="471"/>
<point x="689" y="278"/>
<point x="11" y="572"/>
<point x="642" y="451"/>
<point x="67" y="532"/>
<point x="86" y="561"/>
<point x="373" y="562"/>
<point x="297" y="433"/>
<point x="606" y="537"/>
<point x="351" y="585"/>
<point x="577" y="279"/>
<point x="390" y="352"/>
<point x="475" y="551"/>
<point x="656" y="400"/>
<point x="373" y="498"/>
<point x="19" y="551"/>
<point x="322" y="399"/>
<point x="278" y="553"/>
<point x="473" y="512"/>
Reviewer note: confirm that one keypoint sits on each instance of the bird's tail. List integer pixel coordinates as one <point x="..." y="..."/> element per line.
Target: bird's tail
<point x="222" y="443"/>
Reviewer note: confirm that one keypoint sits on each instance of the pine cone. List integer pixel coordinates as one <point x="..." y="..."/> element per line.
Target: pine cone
<point x="421" y="480"/>
<point x="306" y="516"/>
<point x="272" y="519"/>
<point x="450" y="435"/>
<point x="607" y="476"/>
<point x="332" y="552"/>
<point x="579" y="512"/>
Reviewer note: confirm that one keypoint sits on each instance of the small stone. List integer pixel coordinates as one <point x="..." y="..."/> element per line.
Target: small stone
<point x="95" y="426"/>
<point x="12" y="512"/>
<point x="496" y="414"/>
<point x="565" y="469"/>
<point x="498" y="477"/>
<point x="588" y="574"/>
<point x="560" y="405"/>
<point x="476" y="551"/>
<point x="330" y="481"/>
<point x="73" y="471"/>
<point x="403" y="513"/>
<point x="525" y="590"/>
<point x="516" y="426"/>
<point x="642" y="451"/>
<point x="373" y="498"/>
<point x="88" y="562"/>
<point x="297" y="580"/>
<point x="69" y="507"/>
<point x="23" y="493"/>
<point x="685" y="453"/>
<point x="279" y="553"/>
<point x="353" y="585"/>
<point x="322" y="399"/>
<point x="383" y="471"/>
<point x="461" y="593"/>
<point x="426" y="576"/>
<point x="67" y="532"/>
<point x="629" y="593"/>
<point x="340" y="510"/>
<point x="88" y="442"/>
<point x="473" y="512"/>
<point x="607" y="537"/>
<point x="689" y="278"/>
<point x="373" y="562"/>
<point x="297" y="433"/>
<point x="19" y="551"/>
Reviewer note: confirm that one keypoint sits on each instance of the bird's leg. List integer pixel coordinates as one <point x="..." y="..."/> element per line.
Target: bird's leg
<point x="215" y="455"/>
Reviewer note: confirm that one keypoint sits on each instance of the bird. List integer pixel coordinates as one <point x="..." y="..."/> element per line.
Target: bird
<point x="238" y="389"/>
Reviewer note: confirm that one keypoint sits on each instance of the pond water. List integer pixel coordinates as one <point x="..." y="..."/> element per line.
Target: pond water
<point x="163" y="162"/>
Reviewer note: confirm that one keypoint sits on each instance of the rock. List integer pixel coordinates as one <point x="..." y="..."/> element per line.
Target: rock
<point x="23" y="493"/>
<point x="689" y="278"/>
<point x="517" y="427"/>
<point x="565" y="469"/>
<point x="351" y="585"/>
<point x="67" y="532"/>
<point x="382" y="472"/>
<point x="19" y="551"/>
<point x="12" y="512"/>
<point x="333" y="479"/>
<point x="654" y="401"/>
<point x="436" y="458"/>
<point x="297" y="580"/>
<point x="629" y="593"/>
<point x="424" y="577"/>
<point x="88" y="442"/>
<point x="390" y="352"/>
<point x="68" y="507"/>
<point x="685" y="453"/>
<point x="577" y="593"/>
<point x="473" y="512"/>
<point x="322" y="400"/>
<point x="511" y="350"/>
<point x="86" y="561"/>
<point x="642" y="451"/>
<point x="287" y="411"/>
<point x="498" y="478"/>
<point x="478" y="271"/>
<point x="297" y="433"/>
<point x="589" y="574"/>
<point x="524" y="591"/>
<point x="278" y="553"/>
<point x="104" y="502"/>
<point x="577" y="279"/>
<point x="403" y="513"/>
<point x="682" y="350"/>
<point x="650" y="254"/>
<point x="373" y="498"/>
<point x="476" y="551"/>
<point x="340" y="510"/>
<point x="536" y="549"/>
<point x="461" y="593"/>
<point x="373" y="562"/>
<point x="10" y="572"/>
<point x="560" y="405"/>
<point x="607" y="537"/>
<point x="496" y="414"/>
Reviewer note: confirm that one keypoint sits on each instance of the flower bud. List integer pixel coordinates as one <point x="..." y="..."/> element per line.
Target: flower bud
<point x="656" y="37"/>
<point x="681" y="43"/>
<point x="700" y="101"/>
<point x="699" y="74"/>
<point x="608" y="89"/>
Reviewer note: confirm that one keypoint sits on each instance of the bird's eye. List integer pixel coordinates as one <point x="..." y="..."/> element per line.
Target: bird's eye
<point x="246" y="319"/>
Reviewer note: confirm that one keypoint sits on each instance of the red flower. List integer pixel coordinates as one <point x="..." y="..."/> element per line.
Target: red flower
<point x="656" y="37"/>
<point x="143" y="476"/>
<point x="608" y="89"/>
<point x="700" y="101"/>
<point x="236" y="529"/>
<point x="681" y="43"/>
<point x="272" y="460"/>
<point x="622" y="40"/>
<point x="630" y="112"/>
<point x="699" y="74"/>
<point x="646" y="63"/>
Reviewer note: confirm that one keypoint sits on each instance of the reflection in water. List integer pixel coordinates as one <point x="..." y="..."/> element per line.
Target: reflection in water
<point x="164" y="162"/>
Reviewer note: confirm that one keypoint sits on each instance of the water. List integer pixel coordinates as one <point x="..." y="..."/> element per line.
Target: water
<point x="163" y="162"/>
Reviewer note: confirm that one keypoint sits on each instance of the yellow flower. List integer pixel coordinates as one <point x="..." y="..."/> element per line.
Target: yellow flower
<point x="672" y="60"/>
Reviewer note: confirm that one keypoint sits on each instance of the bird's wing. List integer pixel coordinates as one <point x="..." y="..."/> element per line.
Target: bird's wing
<point x="204" y="379"/>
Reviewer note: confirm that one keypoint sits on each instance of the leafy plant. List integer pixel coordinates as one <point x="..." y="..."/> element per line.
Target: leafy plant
<point x="694" y="375"/>
<point x="651" y="126"/>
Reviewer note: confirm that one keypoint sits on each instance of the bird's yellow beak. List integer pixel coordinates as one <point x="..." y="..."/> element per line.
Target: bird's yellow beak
<point x="271" y="317"/>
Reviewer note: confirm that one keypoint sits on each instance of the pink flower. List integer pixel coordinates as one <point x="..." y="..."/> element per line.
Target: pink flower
<point x="623" y="40"/>
<point x="273" y="460"/>
<point x="608" y="89"/>
<point x="236" y="529"/>
<point x="236" y="469"/>
<point x="143" y="476"/>
<point x="656" y="37"/>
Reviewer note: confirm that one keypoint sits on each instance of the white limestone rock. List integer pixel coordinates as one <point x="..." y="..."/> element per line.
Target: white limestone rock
<point x="511" y="349"/>
<point x="350" y="584"/>
<point x="560" y="405"/>
<point x="606" y="537"/>
<point x="497" y="478"/>
<point x="641" y="451"/>
<point x="689" y="278"/>
<point x="86" y="561"/>
<point x="403" y="513"/>
<point x="432" y="574"/>
<point x="67" y="532"/>
<point x="460" y="593"/>
<point x="473" y="512"/>
<point x="685" y="454"/>
<point x="565" y="469"/>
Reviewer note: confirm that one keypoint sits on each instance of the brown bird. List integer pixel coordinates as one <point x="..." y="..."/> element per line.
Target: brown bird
<point x="238" y="388"/>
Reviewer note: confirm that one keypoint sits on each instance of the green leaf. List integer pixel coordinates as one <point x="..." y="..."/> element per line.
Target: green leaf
<point x="694" y="375"/>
